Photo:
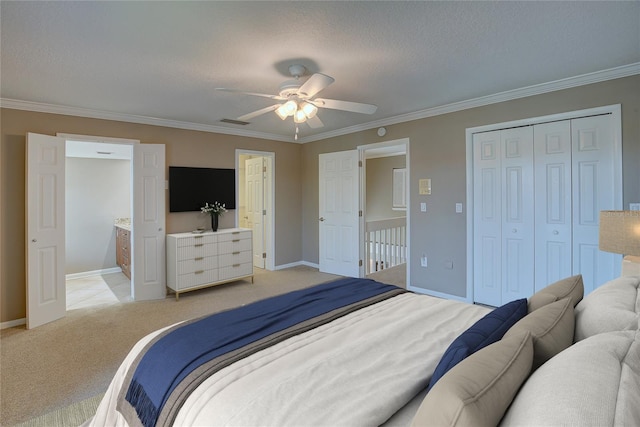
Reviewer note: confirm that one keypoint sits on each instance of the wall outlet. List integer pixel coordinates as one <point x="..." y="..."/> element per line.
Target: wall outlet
<point x="634" y="206"/>
<point x="423" y="261"/>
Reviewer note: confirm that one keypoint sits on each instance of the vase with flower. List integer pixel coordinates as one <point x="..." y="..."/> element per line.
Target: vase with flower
<point x="215" y="210"/>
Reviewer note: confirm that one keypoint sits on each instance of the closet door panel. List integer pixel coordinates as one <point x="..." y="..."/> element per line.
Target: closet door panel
<point x="487" y="227"/>
<point x="593" y="183"/>
<point x="552" y="159"/>
<point x="517" y="213"/>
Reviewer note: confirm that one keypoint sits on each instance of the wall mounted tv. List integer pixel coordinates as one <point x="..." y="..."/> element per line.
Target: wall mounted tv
<point x="190" y="188"/>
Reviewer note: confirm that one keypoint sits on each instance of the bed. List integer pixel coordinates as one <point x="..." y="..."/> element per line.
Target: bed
<point x="347" y="352"/>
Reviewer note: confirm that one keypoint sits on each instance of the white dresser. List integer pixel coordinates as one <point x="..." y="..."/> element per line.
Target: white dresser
<point x="196" y="261"/>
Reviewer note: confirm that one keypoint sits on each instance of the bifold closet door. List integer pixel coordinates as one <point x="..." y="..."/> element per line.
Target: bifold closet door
<point x="593" y="183"/>
<point x="504" y="217"/>
<point x="553" y="237"/>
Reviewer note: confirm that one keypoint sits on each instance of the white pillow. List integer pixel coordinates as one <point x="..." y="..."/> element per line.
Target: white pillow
<point x="614" y="306"/>
<point x="595" y="382"/>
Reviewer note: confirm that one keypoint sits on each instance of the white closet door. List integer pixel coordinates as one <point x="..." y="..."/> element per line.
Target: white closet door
<point x="552" y="159"/>
<point x="593" y="191"/>
<point x="487" y="221"/>
<point x="517" y="213"/>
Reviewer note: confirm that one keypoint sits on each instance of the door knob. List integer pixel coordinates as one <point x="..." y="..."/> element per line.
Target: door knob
<point x="321" y="218"/>
<point x="555" y="231"/>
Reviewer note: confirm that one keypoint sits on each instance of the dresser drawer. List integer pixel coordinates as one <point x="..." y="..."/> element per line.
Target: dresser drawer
<point x="235" y="270"/>
<point x="234" y="235"/>
<point x="198" y="250"/>
<point x="225" y="260"/>
<point x="198" y="263"/>
<point x="197" y="240"/>
<point x="231" y="246"/>
<point x="197" y="278"/>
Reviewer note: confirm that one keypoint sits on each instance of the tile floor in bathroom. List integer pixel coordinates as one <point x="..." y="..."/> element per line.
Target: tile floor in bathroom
<point x="112" y="288"/>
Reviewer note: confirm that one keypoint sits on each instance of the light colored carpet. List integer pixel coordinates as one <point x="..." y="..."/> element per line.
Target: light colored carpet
<point x="60" y="368"/>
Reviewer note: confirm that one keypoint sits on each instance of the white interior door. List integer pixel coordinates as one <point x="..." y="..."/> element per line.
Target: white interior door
<point x="255" y="170"/>
<point x="487" y="220"/>
<point x="338" y="213"/>
<point x="553" y="233"/>
<point x="148" y="233"/>
<point x="593" y="190"/>
<point x="517" y="213"/>
<point x="45" y="174"/>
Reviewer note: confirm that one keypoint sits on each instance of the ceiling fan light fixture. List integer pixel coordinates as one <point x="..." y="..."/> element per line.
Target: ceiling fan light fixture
<point x="309" y="109"/>
<point x="290" y="107"/>
<point x="282" y="112"/>
<point x="299" y="116"/>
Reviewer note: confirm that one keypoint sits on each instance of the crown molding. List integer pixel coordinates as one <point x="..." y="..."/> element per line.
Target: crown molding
<point x="570" y="82"/>
<point x="39" y="107"/>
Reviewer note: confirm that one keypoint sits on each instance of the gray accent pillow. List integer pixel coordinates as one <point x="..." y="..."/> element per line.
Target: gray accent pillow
<point x="551" y="327"/>
<point x="478" y="390"/>
<point x="571" y="287"/>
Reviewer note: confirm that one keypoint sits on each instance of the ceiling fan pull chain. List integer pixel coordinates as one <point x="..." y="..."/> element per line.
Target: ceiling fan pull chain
<point x="296" y="135"/>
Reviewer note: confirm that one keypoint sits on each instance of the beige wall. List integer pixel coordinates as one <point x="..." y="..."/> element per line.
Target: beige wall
<point x="438" y="151"/>
<point x="183" y="148"/>
<point x="379" y="188"/>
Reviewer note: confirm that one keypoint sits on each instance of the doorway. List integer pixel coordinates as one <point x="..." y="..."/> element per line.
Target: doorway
<point x="98" y="179"/>
<point x="255" y="172"/>
<point x="339" y="181"/>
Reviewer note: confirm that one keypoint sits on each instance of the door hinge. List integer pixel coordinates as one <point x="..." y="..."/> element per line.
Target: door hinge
<point x="359" y="213"/>
<point x="264" y="212"/>
<point x="264" y="255"/>
<point x="360" y="263"/>
<point x="359" y="163"/>
<point x="264" y="169"/>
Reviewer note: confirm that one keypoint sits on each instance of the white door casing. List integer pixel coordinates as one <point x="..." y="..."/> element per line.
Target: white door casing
<point x="577" y="173"/>
<point x="338" y="213"/>
<point x="45" y="176"/>
<point x="148" y="233"/>
<point x="254" y="188"/>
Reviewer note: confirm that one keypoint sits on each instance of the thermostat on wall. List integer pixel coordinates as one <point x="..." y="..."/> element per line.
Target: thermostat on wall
<point x="382" y="131"/>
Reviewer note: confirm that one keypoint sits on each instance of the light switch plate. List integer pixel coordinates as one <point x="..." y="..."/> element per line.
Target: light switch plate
<point x="423" y="207"/>
<point x="458" y="207"/>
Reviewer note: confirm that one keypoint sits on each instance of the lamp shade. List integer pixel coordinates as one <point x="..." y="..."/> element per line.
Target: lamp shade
<point x="620" y="232"/>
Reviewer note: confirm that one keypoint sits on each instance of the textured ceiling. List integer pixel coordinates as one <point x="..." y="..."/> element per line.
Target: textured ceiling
<point x="143" y="61"/>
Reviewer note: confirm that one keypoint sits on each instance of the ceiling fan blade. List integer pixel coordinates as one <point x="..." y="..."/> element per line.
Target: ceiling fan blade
<point x="315" y="84"/>
<point x="355" y="107"/>
<point x="264" y="95"/>
<point x="315" y="122"/>
<point x="258" y="112"/>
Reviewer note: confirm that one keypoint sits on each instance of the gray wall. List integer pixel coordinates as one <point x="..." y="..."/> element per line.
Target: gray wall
<point x="438" y="151"/>
<point x="379" y="187"/>
<point x="96" y="192"/>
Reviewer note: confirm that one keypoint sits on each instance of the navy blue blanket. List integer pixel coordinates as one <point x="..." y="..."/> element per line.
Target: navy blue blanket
<point x="177" y="353"/>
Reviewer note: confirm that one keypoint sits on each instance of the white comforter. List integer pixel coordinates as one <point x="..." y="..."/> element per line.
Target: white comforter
<point x="356" y="371"/>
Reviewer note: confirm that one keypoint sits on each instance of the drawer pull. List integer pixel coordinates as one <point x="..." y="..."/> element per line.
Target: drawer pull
<point x="198" y="272"/>
<point x="235" y="240"/>
<point x="198" y="258"/>
<point x="197" y="237"/>
<point x="235" y="232"/>
<point x="198" y="244"/>
<point x="235" y="265"/>
<point x="235" y="253"/>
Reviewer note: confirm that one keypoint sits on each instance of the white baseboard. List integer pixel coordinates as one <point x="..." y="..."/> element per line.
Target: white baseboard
<point x="13" y="323"/>
<point x="84" y="274"/>
<point x="436" y="294"/>
<point x="296" y="264"/>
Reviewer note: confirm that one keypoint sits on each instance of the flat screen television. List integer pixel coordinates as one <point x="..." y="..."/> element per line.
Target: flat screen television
<point x="190" y="188"/>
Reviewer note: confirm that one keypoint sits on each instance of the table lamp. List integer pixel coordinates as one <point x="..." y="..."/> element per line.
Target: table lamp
<point x="620" y="234"/>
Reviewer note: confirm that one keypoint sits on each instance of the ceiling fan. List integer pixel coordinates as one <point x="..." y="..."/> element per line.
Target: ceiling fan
<point x="298" y="99"/>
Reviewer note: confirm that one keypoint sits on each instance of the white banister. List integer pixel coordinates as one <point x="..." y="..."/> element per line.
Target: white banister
<point x="385" y="243"/>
